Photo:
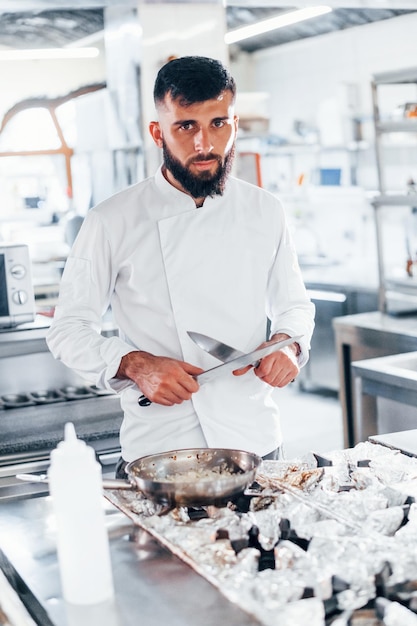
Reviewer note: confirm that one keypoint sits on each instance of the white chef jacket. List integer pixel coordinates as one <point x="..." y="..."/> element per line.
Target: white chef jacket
<point x="166" y="267"/>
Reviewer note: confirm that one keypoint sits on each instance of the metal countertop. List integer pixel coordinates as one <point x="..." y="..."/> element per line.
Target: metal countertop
<point x="401" y="325"/>
<point x="152" y="586"/>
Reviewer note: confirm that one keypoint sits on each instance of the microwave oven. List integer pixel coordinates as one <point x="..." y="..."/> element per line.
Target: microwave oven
<point x="17" y="300"/>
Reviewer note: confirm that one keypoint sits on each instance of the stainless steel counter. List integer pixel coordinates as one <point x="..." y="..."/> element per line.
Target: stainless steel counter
<point x="152" y="586"/>
<point x="367" y="336"/>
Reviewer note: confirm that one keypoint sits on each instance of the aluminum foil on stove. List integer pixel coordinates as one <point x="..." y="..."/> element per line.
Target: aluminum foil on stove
<point x="321" y="536"/>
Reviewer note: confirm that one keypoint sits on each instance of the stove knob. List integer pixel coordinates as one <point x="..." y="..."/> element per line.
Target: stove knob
<point x="20" y="297"/>
<point x="18" y="271"/>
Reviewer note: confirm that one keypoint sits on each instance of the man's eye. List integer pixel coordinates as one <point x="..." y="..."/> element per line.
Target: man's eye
<point x="219" y="123"/>
<point x="186" y="126"/>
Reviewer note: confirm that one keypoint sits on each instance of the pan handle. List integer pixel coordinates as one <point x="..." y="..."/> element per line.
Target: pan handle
<point x="117" y="483"/>
<point x="108" y="483"/>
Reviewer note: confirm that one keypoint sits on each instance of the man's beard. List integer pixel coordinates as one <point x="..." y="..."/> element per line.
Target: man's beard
<point x="204" y="184"/>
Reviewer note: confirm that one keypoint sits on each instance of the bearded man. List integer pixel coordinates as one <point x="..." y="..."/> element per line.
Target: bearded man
<point x="189" y="249"/>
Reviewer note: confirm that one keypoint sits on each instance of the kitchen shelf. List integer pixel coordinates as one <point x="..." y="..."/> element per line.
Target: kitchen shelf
<point x="384" y="128"/>
<point x="396" y="77"/>
<point x="293" y="160"/>
<point x="397" y="126"/>
<point x="394" y="200"/>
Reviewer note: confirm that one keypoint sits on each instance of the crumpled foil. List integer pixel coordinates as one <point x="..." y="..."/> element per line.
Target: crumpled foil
<point x="345" y="517"/>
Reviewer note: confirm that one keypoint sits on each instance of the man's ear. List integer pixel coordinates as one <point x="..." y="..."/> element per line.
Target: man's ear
<point x="156" y="133"/>
<point x="236" y="123"/>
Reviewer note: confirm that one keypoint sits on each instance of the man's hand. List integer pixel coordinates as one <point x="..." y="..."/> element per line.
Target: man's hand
<point x="161" y="379"/>
<point x="279" y="368"/>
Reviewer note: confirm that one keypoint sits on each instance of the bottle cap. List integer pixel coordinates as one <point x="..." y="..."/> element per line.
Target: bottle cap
<point x="72" y="446"/>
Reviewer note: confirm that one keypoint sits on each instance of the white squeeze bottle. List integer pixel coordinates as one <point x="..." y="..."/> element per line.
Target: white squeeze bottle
<point x="75" y="485"/>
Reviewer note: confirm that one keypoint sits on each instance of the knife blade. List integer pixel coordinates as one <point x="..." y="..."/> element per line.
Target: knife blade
<point x="251" y="358"/>
<point x="220" y="350"/>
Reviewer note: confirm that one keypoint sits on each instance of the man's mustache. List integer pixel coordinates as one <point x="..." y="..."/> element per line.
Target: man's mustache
<point x="208" y="157"/>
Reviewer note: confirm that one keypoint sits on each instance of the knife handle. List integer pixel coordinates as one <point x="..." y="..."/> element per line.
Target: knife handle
<point x="144" y="401"/>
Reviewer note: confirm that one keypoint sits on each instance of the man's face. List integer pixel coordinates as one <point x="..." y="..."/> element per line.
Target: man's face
<point x="197" y="142"/>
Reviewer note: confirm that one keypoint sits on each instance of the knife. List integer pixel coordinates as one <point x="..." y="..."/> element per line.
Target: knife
<point x="251" y="358"/>
<point x="220" y="350"/>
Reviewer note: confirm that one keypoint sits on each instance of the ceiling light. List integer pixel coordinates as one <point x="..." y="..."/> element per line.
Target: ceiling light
<point x="273" y="23"/>
<point x="48" y="53"/>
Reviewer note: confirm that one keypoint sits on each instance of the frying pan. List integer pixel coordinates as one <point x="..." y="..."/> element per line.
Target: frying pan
<point x="193" y="477"/>
<point x="190" y="477"/>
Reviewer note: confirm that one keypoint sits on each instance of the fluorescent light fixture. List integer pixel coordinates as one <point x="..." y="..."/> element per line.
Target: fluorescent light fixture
<point x="48" y="53"/>
<point x="273" y="23"/>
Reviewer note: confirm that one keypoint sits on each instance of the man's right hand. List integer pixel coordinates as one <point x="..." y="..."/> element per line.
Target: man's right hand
<point x="161" y="379"/>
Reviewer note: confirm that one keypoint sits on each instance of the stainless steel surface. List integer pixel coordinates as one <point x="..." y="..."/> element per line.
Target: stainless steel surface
<point x="366" y="336"/>
<point x="152" y="586"/>
<point x="210" y="475"/>
<point x="392" y="380"/>
<point x="220" y="350"/>
<point x="405" y="441"/>
<point x="251" y="358"/>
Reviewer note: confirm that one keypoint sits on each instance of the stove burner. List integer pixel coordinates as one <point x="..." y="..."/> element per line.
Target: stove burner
<point x="46" y="396"/>
<point x="76" y="393"/>
<point x="49" y="396"/>
<point x="14" y="400"/>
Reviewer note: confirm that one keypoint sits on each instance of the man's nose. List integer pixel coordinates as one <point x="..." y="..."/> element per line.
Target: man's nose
<point x="202" y="141"/>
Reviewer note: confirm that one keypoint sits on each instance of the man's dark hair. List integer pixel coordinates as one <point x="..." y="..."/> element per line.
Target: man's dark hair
<point x="193" y="79"/>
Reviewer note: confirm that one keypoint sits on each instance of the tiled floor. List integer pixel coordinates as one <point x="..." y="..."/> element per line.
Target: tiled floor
<point x="309" y="421"/>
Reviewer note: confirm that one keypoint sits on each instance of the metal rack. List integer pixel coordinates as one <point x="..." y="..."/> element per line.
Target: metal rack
<point x="407" y="289"/>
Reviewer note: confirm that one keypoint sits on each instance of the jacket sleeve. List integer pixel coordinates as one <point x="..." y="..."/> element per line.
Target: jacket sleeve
<point x="289" y="307"/>
<point x="75" y="334"/>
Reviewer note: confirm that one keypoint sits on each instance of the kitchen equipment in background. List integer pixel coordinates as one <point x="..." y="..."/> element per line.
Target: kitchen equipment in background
<point x="248" y="167"/>
<point x="404" y="111"/>
<point x="51" y="396"/>
<point x="17" y="300"/>
<point x="330" y="176"/>
<point x="72" y="226"/>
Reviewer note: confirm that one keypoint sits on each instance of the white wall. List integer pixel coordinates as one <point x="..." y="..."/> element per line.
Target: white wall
<point x="301" y="75"/>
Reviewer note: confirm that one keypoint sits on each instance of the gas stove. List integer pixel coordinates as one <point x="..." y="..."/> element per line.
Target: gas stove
<point x="30" y="429"/>
<point x="38" y="396"/>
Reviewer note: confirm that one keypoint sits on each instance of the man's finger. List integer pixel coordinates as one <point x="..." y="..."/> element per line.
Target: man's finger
<point x="242" y="370"/>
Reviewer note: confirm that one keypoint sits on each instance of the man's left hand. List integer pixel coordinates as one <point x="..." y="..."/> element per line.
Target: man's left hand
<point x="279" y="368"/>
